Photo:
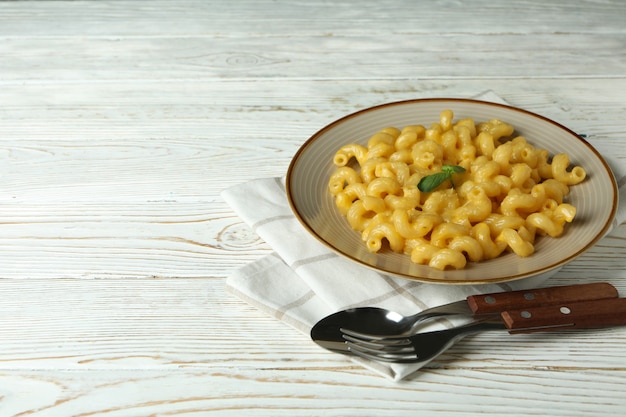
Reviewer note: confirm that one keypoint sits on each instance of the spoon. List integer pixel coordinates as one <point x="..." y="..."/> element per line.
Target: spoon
<point x="378" y="321"/>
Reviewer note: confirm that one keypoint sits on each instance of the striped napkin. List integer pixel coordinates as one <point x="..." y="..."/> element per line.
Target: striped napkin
<point x="303" y="281"/>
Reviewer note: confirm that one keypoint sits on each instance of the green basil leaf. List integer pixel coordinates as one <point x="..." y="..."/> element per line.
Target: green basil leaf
<point x="453" y="169"/>
<point x="430" y="182"/>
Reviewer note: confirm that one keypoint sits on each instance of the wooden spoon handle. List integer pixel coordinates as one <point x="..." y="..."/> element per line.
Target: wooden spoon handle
<point x="503" y="301"/>
<point x="568" y="315"/>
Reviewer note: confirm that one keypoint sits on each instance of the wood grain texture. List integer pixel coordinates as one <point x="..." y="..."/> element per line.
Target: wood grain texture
<point x="122" y="121"/>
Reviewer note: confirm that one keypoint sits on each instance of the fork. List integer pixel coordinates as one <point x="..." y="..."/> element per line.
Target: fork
<point x="423" y="347"/>
<point x="420" y="347"/>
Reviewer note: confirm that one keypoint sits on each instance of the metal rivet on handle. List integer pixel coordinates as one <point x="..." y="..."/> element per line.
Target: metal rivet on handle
<point x="565" y="310"/>
<point x="526" y="314"/>
<point x="490" y="300"/>
<point x="529" y="296"/>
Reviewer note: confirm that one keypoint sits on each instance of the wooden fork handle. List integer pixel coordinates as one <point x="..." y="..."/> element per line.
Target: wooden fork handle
<point x="503" y="301"/>
<point x="567" y="315"/>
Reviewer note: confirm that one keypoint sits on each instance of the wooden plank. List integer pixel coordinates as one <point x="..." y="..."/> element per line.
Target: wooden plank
<point x="366" y="57"/>
<point x="161" y="323"/>
<point x="218" y="19"/>
<point x="280" y="392"/>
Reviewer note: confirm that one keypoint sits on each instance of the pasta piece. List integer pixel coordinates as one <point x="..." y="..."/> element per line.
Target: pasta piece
<point x="422" y="225"/>
<point x="385" y="137"/>
<point x="346" y="198"/>
<point x="343" y="155"/>
<point x="368" y="169"/>
<point x="437" y="258"/>
<point x="517" y="203"/>
<point x="381" y="186"/>
<point x="497" y="128"/>
<point x="445" y="258"/>
<point x="427" y="154"/>
<point x="444" y="233"/>
<point x="485" y="144"/>
<point x="552" y="222"/>
<point x="498" y="222"/>
<point x="482" y="234"/>
<point x="516" y="242"/>
<point x="384" y="231"/>
<point x="342" y="177"/>
<point x="423" y="253"/>
<point x="380" y="150"/>
<point x="402" y="155"/>
<point x="554" y="189"/>
<point x="406" y="140"/>
<point x="440" y="201"/>
<point x="407" y="199"/>
<point x="559" y="165"/>
<point x="396" y="170"/>
<point x="358" y="216"/>
<point x="469" y="246"/>
<point x="502" y="156"/>
<point x="520" y="176"/>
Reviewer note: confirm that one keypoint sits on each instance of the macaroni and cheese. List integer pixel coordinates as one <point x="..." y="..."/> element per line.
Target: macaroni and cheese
<point x="509" y="193"/>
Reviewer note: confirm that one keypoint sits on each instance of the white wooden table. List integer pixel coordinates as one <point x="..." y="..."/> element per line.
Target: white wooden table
<point x="121" y="122"/>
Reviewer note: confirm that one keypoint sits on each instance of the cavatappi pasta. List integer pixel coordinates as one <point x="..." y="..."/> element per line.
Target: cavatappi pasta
<point x="510" y="192"/>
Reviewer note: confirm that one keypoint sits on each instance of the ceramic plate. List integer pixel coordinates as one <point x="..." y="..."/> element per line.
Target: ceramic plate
<point x="313" y="205"/>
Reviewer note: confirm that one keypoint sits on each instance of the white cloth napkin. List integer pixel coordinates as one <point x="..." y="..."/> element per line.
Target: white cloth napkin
<point x="303" y="281"/>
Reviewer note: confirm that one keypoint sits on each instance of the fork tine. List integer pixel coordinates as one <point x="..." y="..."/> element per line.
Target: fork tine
<point x="399" y="350"/>
<point x="377" y="341"/>
<point x="384" y="356"/>
<point x="378" y="347"/>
